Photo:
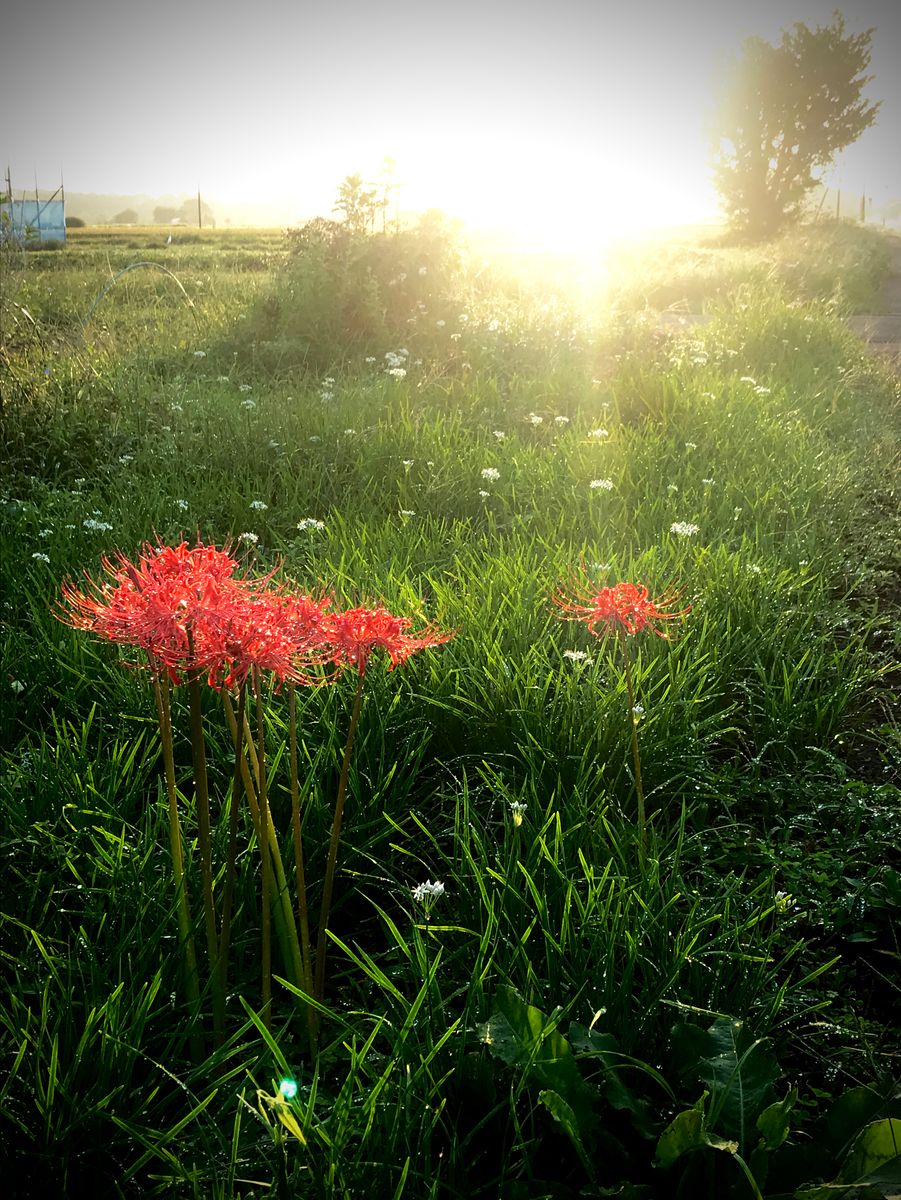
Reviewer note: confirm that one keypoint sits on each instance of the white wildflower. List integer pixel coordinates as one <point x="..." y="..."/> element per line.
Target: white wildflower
<point x="491" y="474"/>
<point x="244" y="388"/>
<point x="259" y="505"/>
<point x="517" y="811"/>
<point x="708" y="482"/>
<point x="96" y="526"/>
<point x="601" y="485"/>
<point x="684" y="528"/>
<point x="561" y="420"/>
<point x="427" y="893"/>
<point x="396" y="372"/>
<point x="182" y="504"/>
<point x="248" y="404"/>
<point x="534" y="419"/>
<point x="200" y="353"/>
<point x="252" y="538"/>
<point x="691" y="445"/>
<point x="484" y="494"/>
<point x="578" y="656"/>
<point x="599" y="433"/>
<point x="440" y="324"/>
<point x="310" y="523"/>
<point x="17" y="686"/>
<point x="38" y="557"/>
<point x="499" y="434"/>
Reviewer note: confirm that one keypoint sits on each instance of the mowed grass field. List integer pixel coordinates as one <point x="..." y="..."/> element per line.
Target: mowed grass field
<point x="390" y="422"/>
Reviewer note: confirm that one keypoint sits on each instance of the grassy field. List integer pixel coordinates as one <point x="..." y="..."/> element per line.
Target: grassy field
<point x="388" y="422"/>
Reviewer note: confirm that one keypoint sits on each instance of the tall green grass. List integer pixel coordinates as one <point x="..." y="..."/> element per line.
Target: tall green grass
<point x="769" y="742"/>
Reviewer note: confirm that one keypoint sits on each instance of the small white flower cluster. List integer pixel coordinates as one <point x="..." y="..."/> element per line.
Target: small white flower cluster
<point x="310" y="523"/>
<point x="684" y="528"/>
<point x="494" y="325"/>
<point x="691" y="445"/>
<point x="517" y="811"/>
<point x="490" y="474"/>
<point x="599" y="433"/>
<point x="96" y="526"/>
<point x="601" y="485"/>
<point x="396" y="363"/>
<point x="561" y="420"/>
<point x="244" y="388"/>
<point x="38" y="557"/>
<point x="327" y="389"/>
<point x="252" y="538"/>
<point x="578" y="656"/>
<point x="535" y="419"/>
<point x="181" y="505"/>
<point x="407" y="512"/>
<point x="200" y="353"/>
<point x="259" y="505"/>
<point x="427" y="893"/>
<point x="499" y="434"/>
<point x="249" y="403"/>
<point x="708" y="482"/>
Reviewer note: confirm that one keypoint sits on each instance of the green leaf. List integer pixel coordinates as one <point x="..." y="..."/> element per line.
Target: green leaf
<point x="875" y="1156"/>
<point x="850" y="1113"/>
<point x="605" y="1049"/>
<point x="740" y="1077"/>
<point x="871" y="1169"/>
<point x="688" y="1131"/>
<point x="521" y="1036"/>
<point x="774" y="1122"/>
<point x="564" y="1116"/>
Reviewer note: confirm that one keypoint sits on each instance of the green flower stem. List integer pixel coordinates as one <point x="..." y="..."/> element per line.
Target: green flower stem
<point x="636" y="756"/>
<point x="185" y="935"/>
<point x="265" y="819"/>
<point x="233" y="814"/>
<point x="303" y="911"/>
<point x="282" y="911"/>
<point x="329" y="882"/>
<point x="205" y="843"/>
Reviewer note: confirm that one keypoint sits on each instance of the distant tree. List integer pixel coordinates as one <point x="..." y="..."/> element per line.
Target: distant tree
<point x="356" y="203"/>
<point x="164" y="215"/>
<point x="188" y="213"/>
<point x="75" y="223"/>
<point x="127" y="216"/>
<point x="785" y="112"/>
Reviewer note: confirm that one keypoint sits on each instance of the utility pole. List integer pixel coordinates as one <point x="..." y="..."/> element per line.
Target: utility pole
<point x="199" y="213"/>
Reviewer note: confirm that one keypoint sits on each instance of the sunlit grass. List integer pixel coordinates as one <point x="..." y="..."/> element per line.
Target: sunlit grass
<point x="461" y="491"/>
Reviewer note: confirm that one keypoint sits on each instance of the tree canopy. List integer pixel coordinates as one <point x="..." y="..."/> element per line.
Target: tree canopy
<point x="785" y="112"/>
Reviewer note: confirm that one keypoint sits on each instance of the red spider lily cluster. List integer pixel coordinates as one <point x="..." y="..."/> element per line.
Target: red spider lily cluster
<point x="185" y="607"/>
<point x="622" y="608"/>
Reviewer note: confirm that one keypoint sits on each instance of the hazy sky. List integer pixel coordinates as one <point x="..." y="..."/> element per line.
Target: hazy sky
<point x="546" y="112"/>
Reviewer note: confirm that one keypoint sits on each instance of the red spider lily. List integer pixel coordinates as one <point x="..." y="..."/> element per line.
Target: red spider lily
<point x="624" y="607"/>
<point x="354" y="634"/>
<point x="175" y="602"/>
<point x="278" y="633"/>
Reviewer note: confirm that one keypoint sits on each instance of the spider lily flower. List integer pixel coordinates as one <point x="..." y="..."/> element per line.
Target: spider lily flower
<point x="356" y="633"/>
<point x="623" y="608"/>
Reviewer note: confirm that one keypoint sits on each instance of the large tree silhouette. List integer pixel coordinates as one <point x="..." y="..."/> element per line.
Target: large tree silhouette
<point x="785" y="112"/>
